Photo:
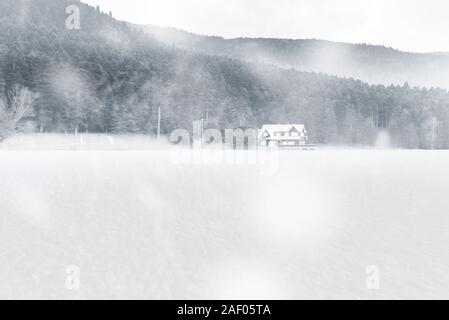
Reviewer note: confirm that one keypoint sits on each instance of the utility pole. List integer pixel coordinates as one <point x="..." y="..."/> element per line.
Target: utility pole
<point x="76" y="111"/>
<point x="434" y="126"/>
<point x="159" y="122"/>
<point x="202" y="130"/>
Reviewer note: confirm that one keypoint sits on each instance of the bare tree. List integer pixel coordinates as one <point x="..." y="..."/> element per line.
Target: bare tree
<point x="22" y="100"/>
<point x="21" y="105"/>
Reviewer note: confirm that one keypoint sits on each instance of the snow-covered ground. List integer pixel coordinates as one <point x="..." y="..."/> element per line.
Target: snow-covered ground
<point x="136" y="224"/>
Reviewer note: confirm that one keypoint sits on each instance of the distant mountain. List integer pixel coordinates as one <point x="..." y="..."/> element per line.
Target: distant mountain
<point x="110" y="76"/>
<point x="369" y="63"/>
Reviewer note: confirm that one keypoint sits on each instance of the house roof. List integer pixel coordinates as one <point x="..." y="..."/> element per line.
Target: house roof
<point x="272" y="128"/>
<point x="284" y="138"/>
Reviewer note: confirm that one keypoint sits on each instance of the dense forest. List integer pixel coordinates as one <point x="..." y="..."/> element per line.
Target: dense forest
<point x="110" y="76"/>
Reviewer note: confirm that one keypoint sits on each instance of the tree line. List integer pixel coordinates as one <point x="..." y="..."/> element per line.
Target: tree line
<point x="111" y="77"/>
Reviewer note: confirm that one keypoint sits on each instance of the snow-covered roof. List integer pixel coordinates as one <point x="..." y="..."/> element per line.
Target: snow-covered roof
<point x="272" y="128"/>
<point x="286" y="138"/>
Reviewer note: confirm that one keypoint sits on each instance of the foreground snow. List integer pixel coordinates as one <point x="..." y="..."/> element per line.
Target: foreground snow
<point x="138" y="225"/>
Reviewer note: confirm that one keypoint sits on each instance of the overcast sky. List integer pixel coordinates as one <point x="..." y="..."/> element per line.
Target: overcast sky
<point x="411" y="25"/>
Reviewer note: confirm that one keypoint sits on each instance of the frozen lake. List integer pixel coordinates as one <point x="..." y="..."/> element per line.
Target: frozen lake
<point x="135" y="224"/>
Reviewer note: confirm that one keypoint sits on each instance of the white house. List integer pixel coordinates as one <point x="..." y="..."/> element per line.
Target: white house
<point x="283" y="135"/>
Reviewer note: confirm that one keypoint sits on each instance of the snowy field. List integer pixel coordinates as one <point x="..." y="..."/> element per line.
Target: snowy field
<point x="135" y="224"/>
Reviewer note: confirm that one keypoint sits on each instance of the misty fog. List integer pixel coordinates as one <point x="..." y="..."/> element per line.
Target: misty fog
<point x="140" y="226"/>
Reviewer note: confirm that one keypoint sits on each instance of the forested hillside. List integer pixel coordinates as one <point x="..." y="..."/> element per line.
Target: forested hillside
<point x="369" y="63"/>
<point x="110" y="77"/>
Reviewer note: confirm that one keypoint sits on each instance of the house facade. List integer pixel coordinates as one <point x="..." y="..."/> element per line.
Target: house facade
<point x="283" y="135"/>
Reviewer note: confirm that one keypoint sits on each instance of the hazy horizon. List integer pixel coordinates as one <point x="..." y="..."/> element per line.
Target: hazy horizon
<point x="402" y="25"/>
